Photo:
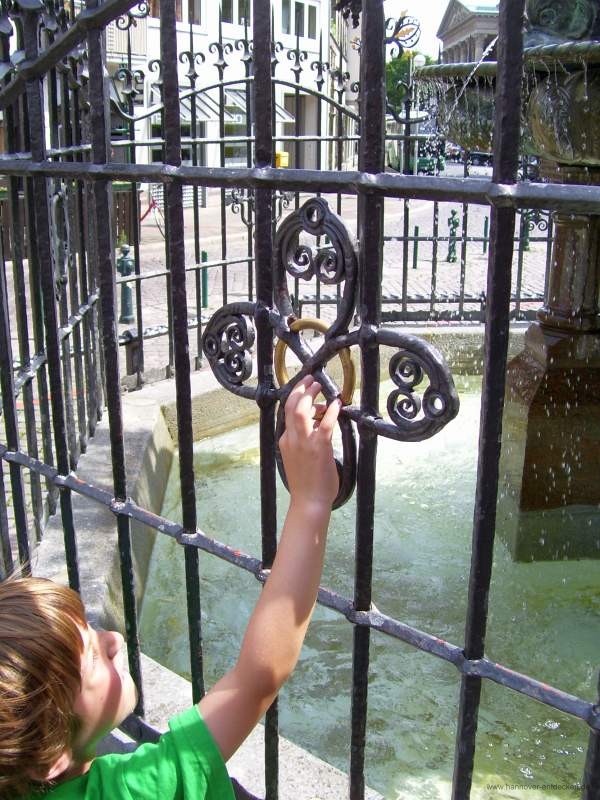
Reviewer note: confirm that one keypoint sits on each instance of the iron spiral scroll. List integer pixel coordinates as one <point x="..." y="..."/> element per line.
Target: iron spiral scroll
<point x="424" y="398"/>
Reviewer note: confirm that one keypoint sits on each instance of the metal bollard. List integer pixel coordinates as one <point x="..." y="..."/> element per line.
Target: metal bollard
<point x="125" y="265"/>
<point x="204" y="258"/>
<point x="416" y="247"/>
<point x="453" y="223"/>
<point x="486" y="231"/>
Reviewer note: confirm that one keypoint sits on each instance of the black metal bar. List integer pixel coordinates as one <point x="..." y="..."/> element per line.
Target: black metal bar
<point x="591" y="775"/>
<point x="371" y="217"/>
<point x="61" y="252"/>
<point x="571" y="198"/>
<point x="176" y="250"/>
<point x="134" y="207"/>
<point x="6" y="558"/>
<point x="463" y="257"/>
<point x="11" y="420"/>
<point x="16" y="233"/>
<point x="502" y="229"/>
<point x="89" y="329"/>
<point x="434" y="256"/>
<point x="43" y="245"/>
<point x="221" y="64"/>
<point x="102" y="199"/>
<point x="263" y="158"/>
<point x="72" y="214"/>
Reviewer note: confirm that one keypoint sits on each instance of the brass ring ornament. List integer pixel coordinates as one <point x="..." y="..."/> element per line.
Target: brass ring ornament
<point x="311" y="324"/>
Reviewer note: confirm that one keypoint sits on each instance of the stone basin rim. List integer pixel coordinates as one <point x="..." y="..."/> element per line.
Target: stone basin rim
<point x="569" y="54"/>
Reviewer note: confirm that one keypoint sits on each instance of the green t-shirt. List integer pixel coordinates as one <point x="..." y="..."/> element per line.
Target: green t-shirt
<point x="184" y="764"/>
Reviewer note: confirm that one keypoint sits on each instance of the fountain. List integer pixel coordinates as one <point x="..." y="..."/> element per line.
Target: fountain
<point x="549" y="501"/>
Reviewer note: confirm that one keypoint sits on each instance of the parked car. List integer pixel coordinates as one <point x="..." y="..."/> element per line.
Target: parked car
<point x="479" y="159"/>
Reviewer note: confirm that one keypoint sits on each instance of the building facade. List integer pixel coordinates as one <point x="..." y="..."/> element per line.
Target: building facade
<point x="468" y="29"/>
<point x="313" y="55"/>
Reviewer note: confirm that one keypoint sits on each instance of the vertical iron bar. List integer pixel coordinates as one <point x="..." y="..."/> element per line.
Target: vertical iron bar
<point x="102" y="207"/>
<point x="371" y="160"/>
<point x="298" y="160"/>
<point x="89" y="329"/>
<point x="6" y="559"/>
<point x="135" y="229"/>
<point x="58" y="228"/>
<point x="405" y="235"/>
<point x="591" y="775"/>
<point x="35" y="293"/>
<point x="506" y="150"/>
<point x="549" y="242"/>
<point x="247" y="58"/>
<point x="463" y="259"/>
<point x="175" y="247"/>
<point x="72" y="209"/>
<point x="415" y="247"/>
<point x="263" y="157"/>
<point x="434" y="256"/>
<point x="524" y="222"/>
<point x="16" y="235"/>
<point x="9" y="412"/>
<point x="221" y="69"/>
<point x="42" y="242"/>
<point x="198" y="273"/>
<point x="319" y="83"/>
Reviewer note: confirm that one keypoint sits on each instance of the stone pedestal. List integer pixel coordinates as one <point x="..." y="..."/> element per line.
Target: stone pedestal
<point x="549" y="502"/>
<point x="548" y="506"/>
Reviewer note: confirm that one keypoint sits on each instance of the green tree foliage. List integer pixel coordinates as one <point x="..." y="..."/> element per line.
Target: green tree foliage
<point x="397" y="72"/>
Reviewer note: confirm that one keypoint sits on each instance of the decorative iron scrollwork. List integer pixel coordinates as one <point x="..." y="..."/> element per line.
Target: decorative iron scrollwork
<point x="334" y="262"/>
<point x="227" y="343"/>
<point x="424" y="398"/>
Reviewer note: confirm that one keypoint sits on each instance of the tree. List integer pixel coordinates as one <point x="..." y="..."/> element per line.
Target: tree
<point x="397" y="77"/>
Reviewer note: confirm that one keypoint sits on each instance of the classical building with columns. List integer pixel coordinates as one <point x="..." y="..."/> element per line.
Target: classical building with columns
<point x="467" y="29"/>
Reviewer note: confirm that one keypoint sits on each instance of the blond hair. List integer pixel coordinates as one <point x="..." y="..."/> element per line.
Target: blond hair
<point x="40" y="678"/>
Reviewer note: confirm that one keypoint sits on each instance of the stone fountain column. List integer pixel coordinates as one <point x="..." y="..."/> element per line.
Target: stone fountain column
<point x="550" y="466"/>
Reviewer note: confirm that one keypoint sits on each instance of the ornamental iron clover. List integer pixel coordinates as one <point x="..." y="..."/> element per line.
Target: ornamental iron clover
<point x="424" y="398"/>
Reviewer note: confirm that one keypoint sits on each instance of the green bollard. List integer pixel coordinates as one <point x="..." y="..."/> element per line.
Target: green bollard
<point x="486" y="230"/>
<point x="204" y="258"/>
<point x="126" y="266"/>
<point x="525" y="218"/>
<point x="416" y="247"/>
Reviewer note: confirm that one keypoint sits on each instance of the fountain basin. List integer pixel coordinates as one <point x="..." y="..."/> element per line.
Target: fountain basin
<point x="541" y="615"/>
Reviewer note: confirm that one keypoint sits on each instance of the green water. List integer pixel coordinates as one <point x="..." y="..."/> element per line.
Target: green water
<point x="544" y="620"/>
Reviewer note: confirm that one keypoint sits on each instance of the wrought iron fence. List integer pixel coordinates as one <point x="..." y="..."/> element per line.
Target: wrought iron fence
<point x="59" y="350"/>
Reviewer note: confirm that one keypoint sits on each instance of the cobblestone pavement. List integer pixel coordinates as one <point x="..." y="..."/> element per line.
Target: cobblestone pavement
<point x="419" y="284"/>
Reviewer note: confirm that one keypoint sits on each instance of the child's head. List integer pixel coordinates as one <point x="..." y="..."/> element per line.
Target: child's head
<point x="62" y="684"/>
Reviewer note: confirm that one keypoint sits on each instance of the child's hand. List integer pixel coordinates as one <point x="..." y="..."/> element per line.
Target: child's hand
<point x="306" y="447"/>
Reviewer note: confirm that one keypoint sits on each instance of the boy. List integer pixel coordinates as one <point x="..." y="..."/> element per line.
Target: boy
<point x="64" y="685"/>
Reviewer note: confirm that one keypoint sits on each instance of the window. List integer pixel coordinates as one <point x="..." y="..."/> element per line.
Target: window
<point x="305" y="19"/>
<point x="312" y="22"/>
<point x="227" y="11"/>
<point x="237" y="11"/>
<point x="299" y="19"/>
<point x="243" y="11"/>
<point x="286" y="16"/>
<point x="195" y="12"/>
<point x="155" y="9"/>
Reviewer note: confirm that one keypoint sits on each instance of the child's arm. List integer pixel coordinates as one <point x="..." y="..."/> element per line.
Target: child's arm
<point x="278" y="624"/>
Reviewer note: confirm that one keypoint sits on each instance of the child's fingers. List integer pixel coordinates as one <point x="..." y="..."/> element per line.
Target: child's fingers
<point x="330" y="417"/>
<point x="296" y="393"/>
